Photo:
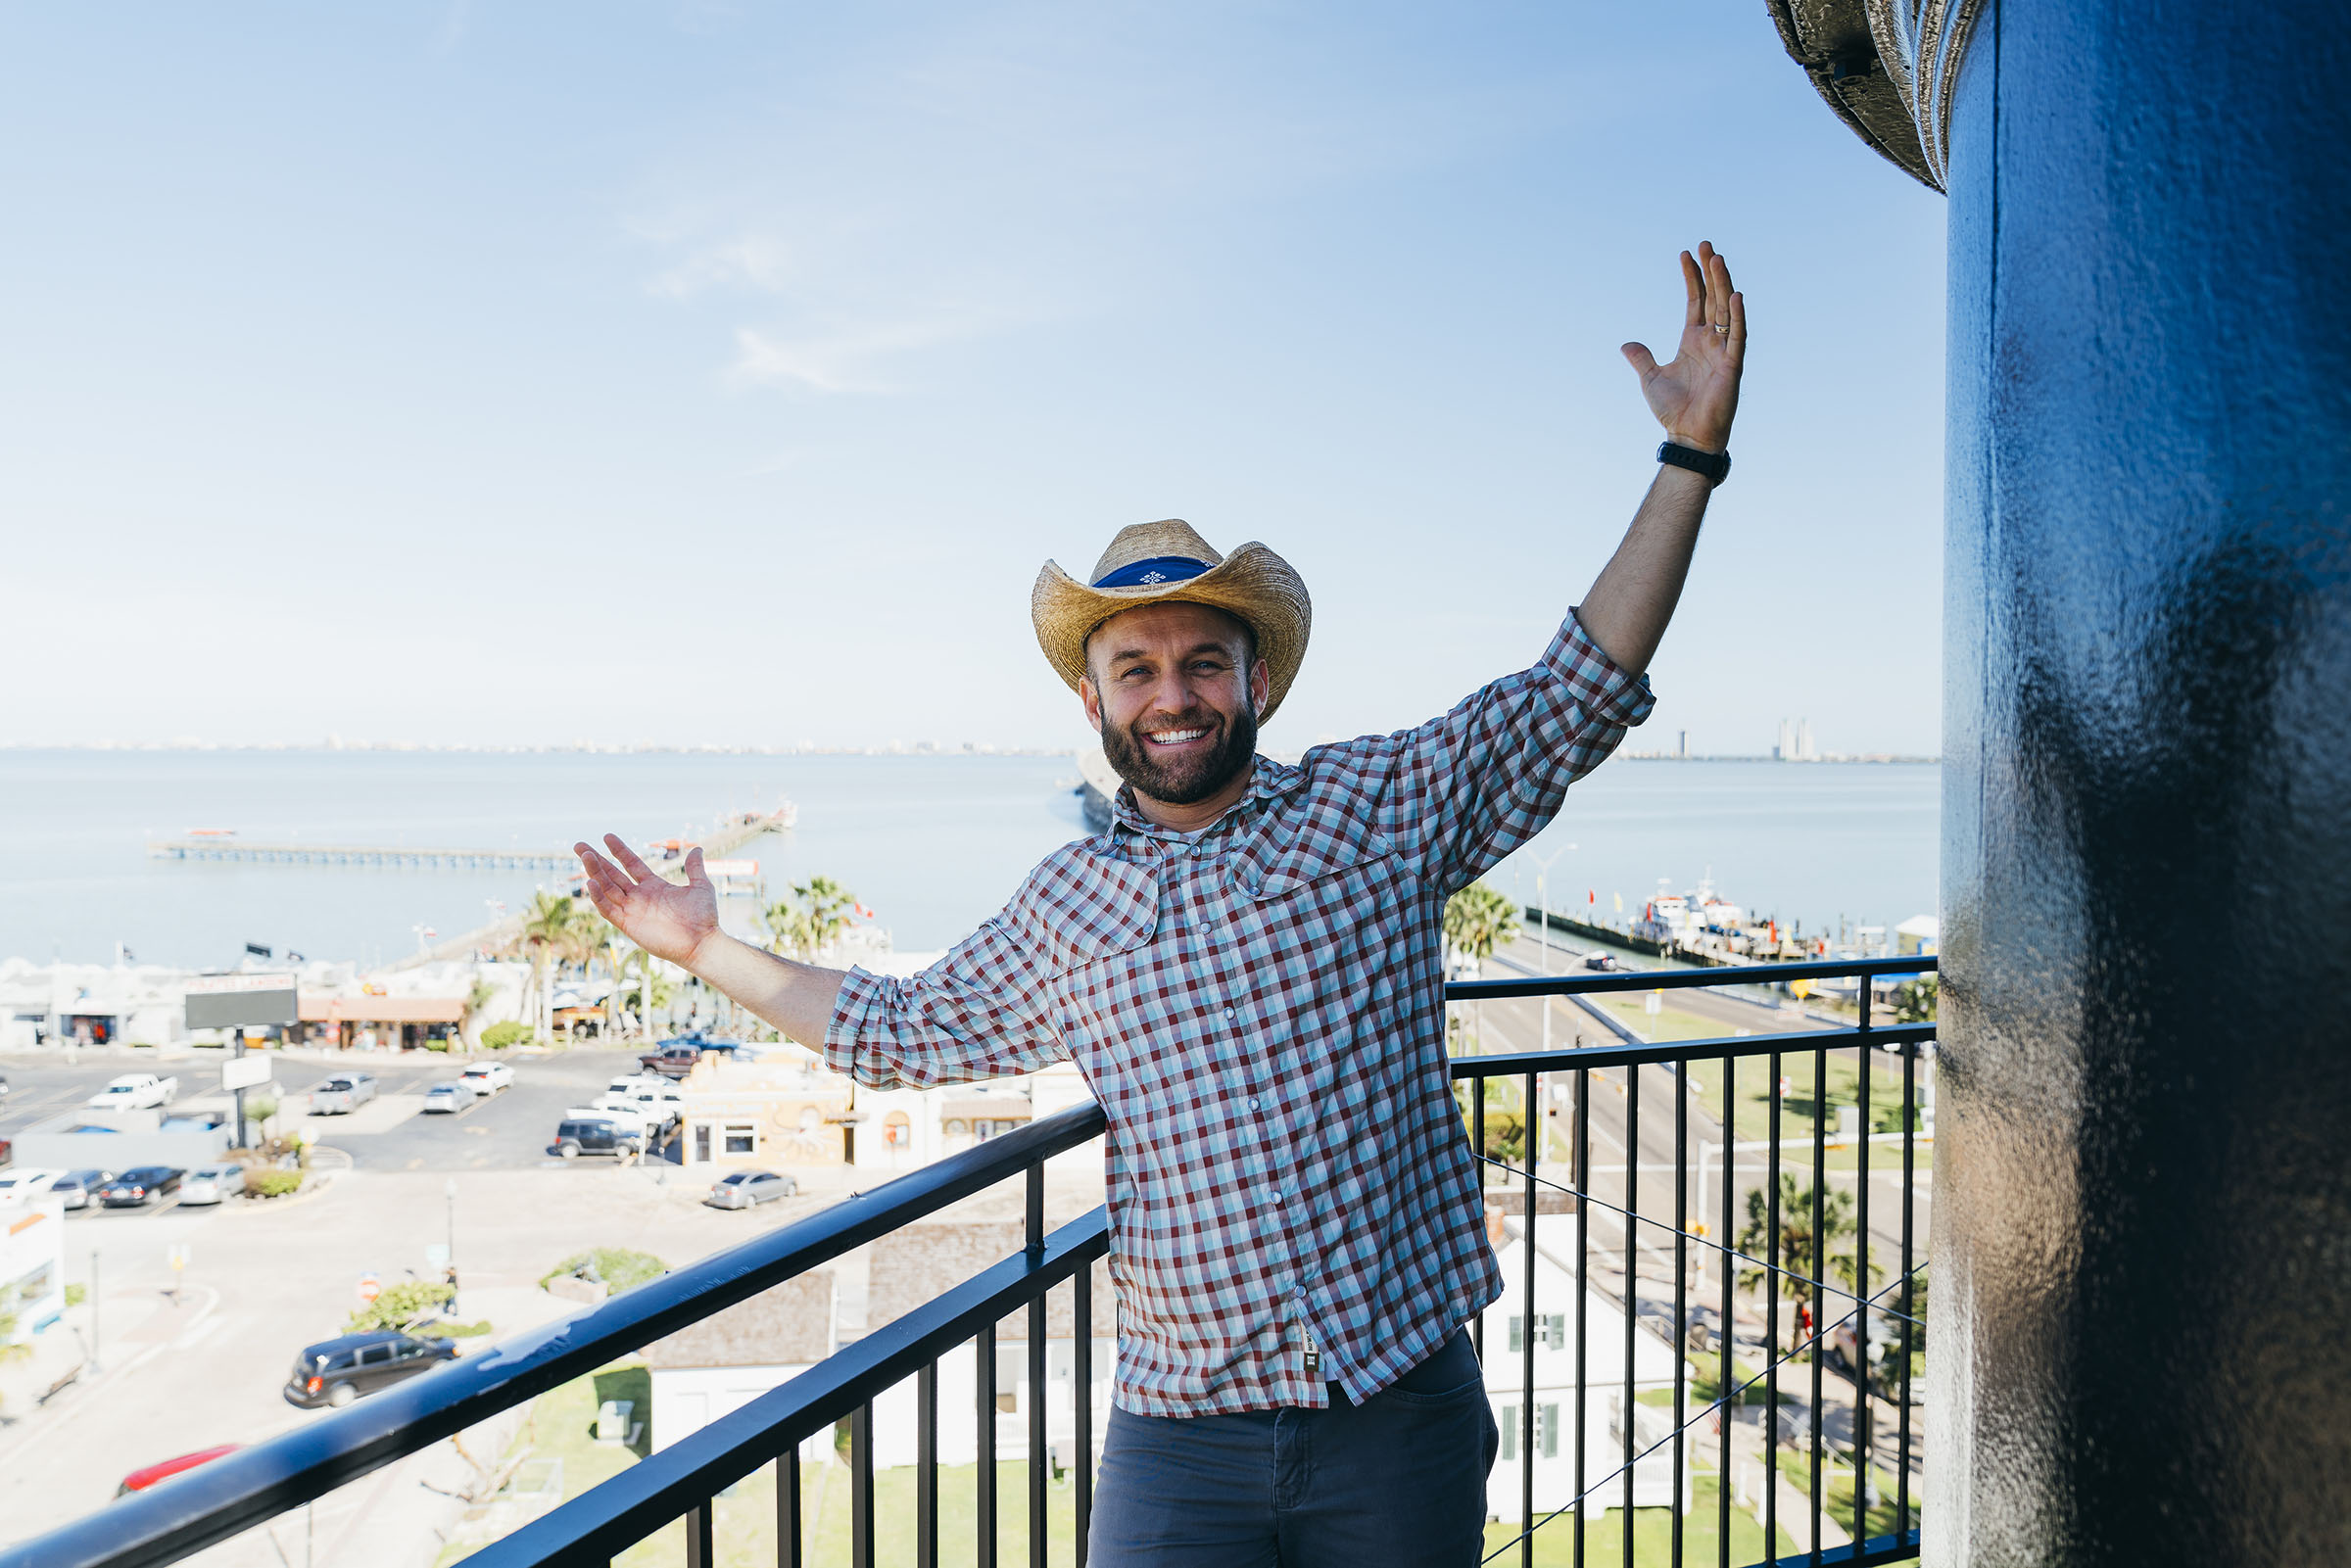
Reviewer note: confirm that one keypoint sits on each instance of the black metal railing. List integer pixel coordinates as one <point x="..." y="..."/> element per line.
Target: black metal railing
<point x="1759" y="1253"/>
<point x="681" y="1480"/>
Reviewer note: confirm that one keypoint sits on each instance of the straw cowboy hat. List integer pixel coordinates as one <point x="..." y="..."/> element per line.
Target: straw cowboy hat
<point x="1151" y="562"/>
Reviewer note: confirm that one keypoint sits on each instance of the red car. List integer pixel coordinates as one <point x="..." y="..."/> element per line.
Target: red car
<point x="140" y="1480"/>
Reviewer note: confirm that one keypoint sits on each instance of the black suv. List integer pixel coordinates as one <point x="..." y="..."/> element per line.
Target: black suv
<point x="339" y="1370"/>
<point x="585" y="1137"/>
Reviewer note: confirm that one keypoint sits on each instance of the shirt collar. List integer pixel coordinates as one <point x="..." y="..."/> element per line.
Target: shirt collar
<point x="1267" y="781"/>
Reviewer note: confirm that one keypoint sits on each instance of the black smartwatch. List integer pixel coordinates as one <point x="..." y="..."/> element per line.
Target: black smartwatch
<point x="1715" y="465"/>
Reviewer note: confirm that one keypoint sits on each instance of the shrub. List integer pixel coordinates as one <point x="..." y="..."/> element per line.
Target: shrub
<point x="617" y="1266"/>
<point x="435" y="1045"/>
<point x="260" y="1107"/>
<point x="75" y="1295"/>
<point x="398" y="1305"/>
<point x="497" y="1036"/>
<point x="273" y="1183"/>
<point x="451" y="1331"/>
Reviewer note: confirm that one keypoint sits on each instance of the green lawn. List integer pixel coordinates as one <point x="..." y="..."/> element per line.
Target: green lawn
<point x="1653" y="1536"/>
<point x="562" y="1422"/>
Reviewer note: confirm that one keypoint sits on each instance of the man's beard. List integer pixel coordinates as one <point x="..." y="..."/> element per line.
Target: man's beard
<point x="1189" y="783"/>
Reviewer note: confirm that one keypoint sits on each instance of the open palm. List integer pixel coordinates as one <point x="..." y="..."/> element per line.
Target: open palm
<point x="1696" y="395"/>
<point x="668" y="919"/>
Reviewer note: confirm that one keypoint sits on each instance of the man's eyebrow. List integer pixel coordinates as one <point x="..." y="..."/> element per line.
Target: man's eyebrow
<point x="1207" y="646"/>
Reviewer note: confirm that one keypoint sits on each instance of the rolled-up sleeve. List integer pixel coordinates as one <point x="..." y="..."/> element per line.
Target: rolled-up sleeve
<point x="980" y="1012"/>
<point x="1489" y="775"/>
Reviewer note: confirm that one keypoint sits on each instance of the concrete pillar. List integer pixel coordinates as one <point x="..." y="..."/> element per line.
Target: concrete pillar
<point x="2141" y="1338"/>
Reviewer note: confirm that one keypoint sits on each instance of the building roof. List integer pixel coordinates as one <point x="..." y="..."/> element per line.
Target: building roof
<point x="383" y="1009"/>
<point x="917" y="1262"/>
<point x="788" y="1325"/>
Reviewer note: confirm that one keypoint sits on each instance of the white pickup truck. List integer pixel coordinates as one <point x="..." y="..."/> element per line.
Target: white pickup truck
<point x="136" y="1091"/>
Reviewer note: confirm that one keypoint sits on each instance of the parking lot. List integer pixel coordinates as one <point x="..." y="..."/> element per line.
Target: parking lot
<point x="509" y="1130"/>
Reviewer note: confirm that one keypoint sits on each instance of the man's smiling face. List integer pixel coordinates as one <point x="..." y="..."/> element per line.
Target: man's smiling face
<point x="1175" y="691"/>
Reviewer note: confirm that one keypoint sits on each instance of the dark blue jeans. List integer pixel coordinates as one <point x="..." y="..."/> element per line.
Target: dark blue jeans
<point x="1395" y="1481"/>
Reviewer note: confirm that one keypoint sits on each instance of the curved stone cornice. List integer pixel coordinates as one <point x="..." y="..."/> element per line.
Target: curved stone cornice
<point x="1887" y="67"/>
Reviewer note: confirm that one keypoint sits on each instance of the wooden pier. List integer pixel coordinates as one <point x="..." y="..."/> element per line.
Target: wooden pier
<point x="388" y="857"/>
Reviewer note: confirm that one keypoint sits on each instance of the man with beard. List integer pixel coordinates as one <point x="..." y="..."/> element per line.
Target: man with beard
<point x="1248" y="966"/>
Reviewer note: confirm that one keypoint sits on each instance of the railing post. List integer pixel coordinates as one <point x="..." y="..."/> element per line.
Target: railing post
<point x="1039" y="1460"/>
<point x="788" y="1507"/>
<point x="861" y="1486"/>
<point x="1081" y="1390"/>
<point x="1862" y="1434"/>
<point x="985" y="1499"/>
<point x="926" y="1466"/>
<point x="698" y="1545"/>
<point x="1820" y="1270"/>
<point x="1530" y="1129"/>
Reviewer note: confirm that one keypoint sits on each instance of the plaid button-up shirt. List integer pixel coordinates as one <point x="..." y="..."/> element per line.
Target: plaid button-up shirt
<point x="1259" y="1009"/>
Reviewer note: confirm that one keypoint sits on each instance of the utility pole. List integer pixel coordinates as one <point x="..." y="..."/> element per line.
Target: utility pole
<point x="97" y="1293"/>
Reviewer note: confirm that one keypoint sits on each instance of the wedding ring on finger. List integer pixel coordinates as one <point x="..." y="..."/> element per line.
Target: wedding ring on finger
<point x="1723" y="327"/>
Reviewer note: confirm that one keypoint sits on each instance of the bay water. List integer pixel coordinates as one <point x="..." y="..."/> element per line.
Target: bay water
<point x="931" y="844"/>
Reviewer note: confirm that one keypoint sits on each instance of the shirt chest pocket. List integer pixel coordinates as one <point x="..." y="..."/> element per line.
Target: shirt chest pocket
<point x="1115" y="911"/>
<point x="1318" y="868"/>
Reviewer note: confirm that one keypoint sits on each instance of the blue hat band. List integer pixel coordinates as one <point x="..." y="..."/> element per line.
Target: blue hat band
<point x="1158" y="569"/>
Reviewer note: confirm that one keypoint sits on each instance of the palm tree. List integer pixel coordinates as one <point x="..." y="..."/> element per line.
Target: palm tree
<point x="547" y="934"/>
<point x="1476" y="919"/>
<point x="1798" y="1255"/>
<point x="808" y="920"/>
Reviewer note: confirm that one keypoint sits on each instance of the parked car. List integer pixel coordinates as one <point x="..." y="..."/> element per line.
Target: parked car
<point x="136" y="1091"/>
<point x="209" y="1184"/>
<point x="155" y="1475"/>
<point x="743" y="1189"/>
<point x="596" y="1133"/>
<point x="1599" y="960"/>
<point x="674" y="1059"/>
<point x="76" y="1187"/>
<point x="488" y="1078"/>
<point x="448" y="1096"/>
<point x="18" y="1183"/>
<point x="626" y="1115"/>
<point x="139" y="1187"/>
<point x="341" y="1094"/>
<point x="661" y="1108"/>
<point x="340" y="1370"/>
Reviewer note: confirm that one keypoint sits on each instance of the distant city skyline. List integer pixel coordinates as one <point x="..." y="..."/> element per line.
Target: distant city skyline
<point x="480" y="378"/>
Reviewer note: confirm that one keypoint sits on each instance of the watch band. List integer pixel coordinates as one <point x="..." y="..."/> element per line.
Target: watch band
<point x="1715" y="465"/>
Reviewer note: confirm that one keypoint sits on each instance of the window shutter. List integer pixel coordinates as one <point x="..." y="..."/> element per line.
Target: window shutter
<point x="1509" y="1431"/>
<point x="1517" y="1334"/>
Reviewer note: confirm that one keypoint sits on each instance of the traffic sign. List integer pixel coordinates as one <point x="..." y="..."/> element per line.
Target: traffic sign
<point x="244" y="1072"/>
<point x="177" y="1255"/>
<point x="370" y="1288"/>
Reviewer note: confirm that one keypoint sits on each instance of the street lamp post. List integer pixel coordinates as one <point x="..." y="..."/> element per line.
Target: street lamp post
<point x="449" y="1191"/>
<point x="1543" y="864"/>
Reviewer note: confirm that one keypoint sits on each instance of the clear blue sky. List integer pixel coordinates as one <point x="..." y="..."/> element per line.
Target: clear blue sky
<point x="483" y="373"/>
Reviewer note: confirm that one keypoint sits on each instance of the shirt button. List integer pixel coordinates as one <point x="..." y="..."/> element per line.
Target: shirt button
<point x="1253" y="1105"/>
<point x="1228" y="1011"/>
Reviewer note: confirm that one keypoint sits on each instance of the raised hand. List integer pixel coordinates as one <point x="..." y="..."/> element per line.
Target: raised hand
<point x="666" y="920"/>
<point x="1697" y="396"/>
